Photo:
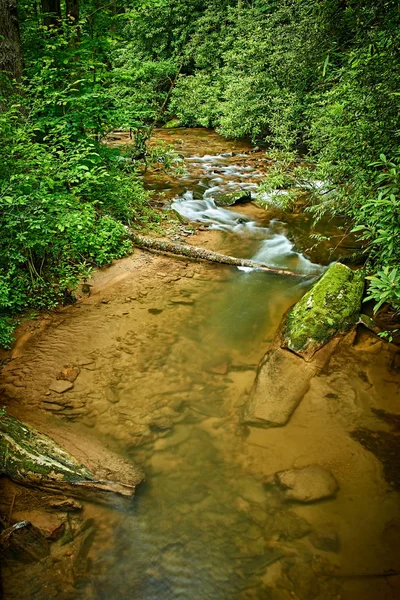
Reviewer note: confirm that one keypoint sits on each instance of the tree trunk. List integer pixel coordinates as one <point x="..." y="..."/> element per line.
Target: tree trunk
<point x="10" y="42"/>
<point x="52" y="12"/>
<point x="72" y="9"/>
<point x="203" y="254"/>
<point x="35" y="460"/>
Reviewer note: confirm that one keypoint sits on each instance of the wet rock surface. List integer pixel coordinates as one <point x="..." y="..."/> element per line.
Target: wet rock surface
<point x="325" y="538"/>
<point x="331" y="306"/>
<point x="60" y="386"/>
<point x="307" y="484"/>
<point x="281" y="383"/>
<point x="23" y="542"/>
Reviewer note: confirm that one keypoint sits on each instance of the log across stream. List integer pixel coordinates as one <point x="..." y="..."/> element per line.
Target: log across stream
<point x="165" y="352"/>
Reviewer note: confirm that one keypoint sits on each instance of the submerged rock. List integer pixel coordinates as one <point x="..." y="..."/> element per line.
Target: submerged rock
<point x="33" y="459"/>
<point x="331" y="306"/>
<point x="69" y="373"/>
<point x="283" y="378"/>
<point x="326" y="539"/>
<point x="307" y="484"/>
<point x="24" y="542"/>
<point x="289" y="526"/>
<point x="60" y="386"/>
<point x="50" y="524"/>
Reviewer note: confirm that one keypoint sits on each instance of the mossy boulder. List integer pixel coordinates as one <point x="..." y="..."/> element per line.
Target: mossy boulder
<point x="331" y="306"/>
<point x="173" y="124"/>
<point x="239" y="197"/>
<point x="33" y="459"/>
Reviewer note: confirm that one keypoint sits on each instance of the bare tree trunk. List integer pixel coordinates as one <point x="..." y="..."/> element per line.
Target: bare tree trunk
<point x="203" y="254"/>
<point x="72" y="9"/>
<point x="52" y="8"/>
<point x="10" y="41"/>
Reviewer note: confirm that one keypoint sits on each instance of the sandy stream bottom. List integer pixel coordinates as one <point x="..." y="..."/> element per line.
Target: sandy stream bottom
<point x="165" y="388"/>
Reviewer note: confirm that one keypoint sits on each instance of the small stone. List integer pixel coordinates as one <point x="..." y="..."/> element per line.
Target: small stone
<point x="51" y="525"/>
<point x="181" y="300"/>
<point x="155" y="311"/>
<point x="326" y="539"/>
<point x="290" y="526"/>
<point x="304" y="580"/>
<point x="69" y="373"/>
<point x="112" y="395"/>
<point x="307" y="484"/>
<point x="85" y="362"/>
<point x="24" y="542"/>
<point x="89" y="421"/>
<point x="220" y="369"/>
<point x="51" y="406"/>
<point x="65" y="504"/>
<point x="60" y="386"/>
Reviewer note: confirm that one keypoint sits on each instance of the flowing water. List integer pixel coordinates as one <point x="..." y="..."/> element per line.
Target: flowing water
<point x="168" y="351"/>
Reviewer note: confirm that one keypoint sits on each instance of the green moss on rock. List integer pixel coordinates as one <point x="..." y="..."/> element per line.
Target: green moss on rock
<point x="331" y="306"/>
<point x="239" y="197"/>
<point x="173" y="124"/>
<point x="25" y="454"/>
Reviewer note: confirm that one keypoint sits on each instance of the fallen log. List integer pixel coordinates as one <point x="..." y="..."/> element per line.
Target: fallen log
<point x="32" y="459"/>
<point x="203" y="254"/>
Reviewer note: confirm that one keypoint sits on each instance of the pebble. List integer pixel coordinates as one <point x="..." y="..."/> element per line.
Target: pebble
<point x="60" y="386"/>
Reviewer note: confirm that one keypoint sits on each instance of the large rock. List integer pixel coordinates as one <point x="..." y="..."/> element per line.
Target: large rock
<point x="33" y="459"/>
<point x="283" y="378"/>
<point x="307" y="484"/>
<point x="173" y="124"/>
<point x="229" y="199"/>
<point x="331" y="306"/>
<point x="309" y="338"/>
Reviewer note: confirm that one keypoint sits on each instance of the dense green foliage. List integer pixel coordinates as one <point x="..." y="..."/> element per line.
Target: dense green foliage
<point x="65" y="197"/>
<point x="320" y="77"/>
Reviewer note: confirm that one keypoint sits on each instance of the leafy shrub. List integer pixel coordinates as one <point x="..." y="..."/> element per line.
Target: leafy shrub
<point x="384" y="287"/>
<point x="65" y="197"/>
<point x="196" y="100"/>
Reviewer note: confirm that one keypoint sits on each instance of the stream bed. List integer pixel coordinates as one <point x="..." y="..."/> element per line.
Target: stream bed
<point x="168" y="351"/>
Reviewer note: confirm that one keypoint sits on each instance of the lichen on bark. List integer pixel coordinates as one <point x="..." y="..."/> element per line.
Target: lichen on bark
<point x="26" y="454"/>
<point x="331" y="306"/>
